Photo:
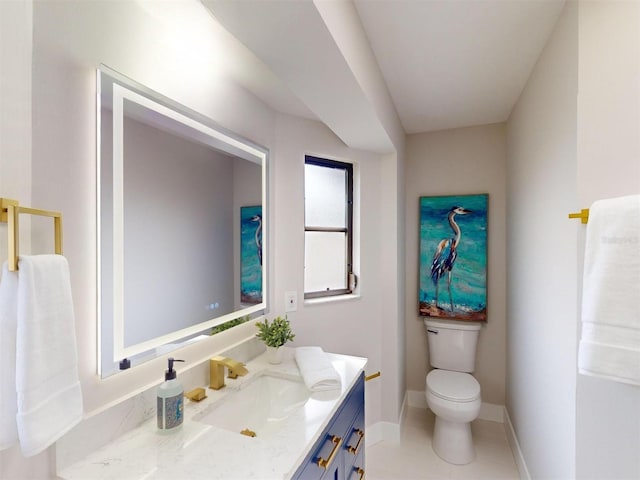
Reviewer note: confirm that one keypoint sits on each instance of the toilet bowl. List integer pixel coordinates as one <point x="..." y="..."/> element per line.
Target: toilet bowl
<point x="454" y="398"/>
<point x="452" y="393"/>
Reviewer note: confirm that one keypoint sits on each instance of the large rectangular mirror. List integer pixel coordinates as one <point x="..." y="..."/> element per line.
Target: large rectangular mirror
<point x="182" y="224"/>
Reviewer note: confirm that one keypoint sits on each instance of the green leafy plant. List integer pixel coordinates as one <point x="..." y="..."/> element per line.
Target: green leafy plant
<point x="227" y="325"/>
<point x="276" y="333"/>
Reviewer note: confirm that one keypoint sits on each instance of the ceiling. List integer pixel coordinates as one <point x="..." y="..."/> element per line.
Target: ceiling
<point x="441" y="63"/>
<point x="456" y="63"/>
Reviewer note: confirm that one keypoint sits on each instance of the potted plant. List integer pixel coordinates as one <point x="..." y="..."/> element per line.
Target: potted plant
<point x="274" y="335"/>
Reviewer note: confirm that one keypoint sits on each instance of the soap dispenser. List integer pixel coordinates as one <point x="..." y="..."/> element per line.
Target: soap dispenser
<point x="170" y="400"/>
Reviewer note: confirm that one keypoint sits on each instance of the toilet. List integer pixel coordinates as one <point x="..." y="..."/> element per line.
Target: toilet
<point x="453" y="394"/>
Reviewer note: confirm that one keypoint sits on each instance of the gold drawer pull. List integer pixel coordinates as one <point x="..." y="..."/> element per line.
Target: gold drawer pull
<point x="360" y="472"/>
<point x="354" y="450"/>
<point x="322" y="463"/>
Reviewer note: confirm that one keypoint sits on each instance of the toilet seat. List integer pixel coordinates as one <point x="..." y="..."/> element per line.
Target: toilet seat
<point x="453" y="386"/>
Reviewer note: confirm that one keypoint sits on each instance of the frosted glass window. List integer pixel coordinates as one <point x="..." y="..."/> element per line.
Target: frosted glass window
<point x="328" y="224"/>
<point x="325" y="261"/>
<point x="325" y="193"/>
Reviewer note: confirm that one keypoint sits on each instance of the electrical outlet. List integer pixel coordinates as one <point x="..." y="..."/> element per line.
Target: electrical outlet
<point x="290" y="301"/>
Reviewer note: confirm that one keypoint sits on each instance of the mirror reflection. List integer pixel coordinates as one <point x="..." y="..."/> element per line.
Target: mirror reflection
<point x="181" y="224"/>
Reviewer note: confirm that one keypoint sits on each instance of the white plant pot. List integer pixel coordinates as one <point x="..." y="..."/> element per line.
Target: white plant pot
<point x="274" y="355"/>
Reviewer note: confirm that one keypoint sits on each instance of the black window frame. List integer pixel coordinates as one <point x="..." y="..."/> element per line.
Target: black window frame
<point x="348" y="230"/>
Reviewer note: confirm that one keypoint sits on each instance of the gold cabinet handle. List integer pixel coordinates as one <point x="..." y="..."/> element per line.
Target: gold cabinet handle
<point x="372" y="376"/>
<point x="322" y="463"/>
<point x="355" y="449"/>
<point x="360" y="472"/>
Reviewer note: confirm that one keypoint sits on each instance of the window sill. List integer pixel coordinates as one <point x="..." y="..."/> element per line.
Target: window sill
<point x="335" y="299"/>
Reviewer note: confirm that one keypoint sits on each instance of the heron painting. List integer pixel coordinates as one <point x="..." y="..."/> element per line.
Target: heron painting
<point x="453" y="257"/>
<point x="251" y="255"/>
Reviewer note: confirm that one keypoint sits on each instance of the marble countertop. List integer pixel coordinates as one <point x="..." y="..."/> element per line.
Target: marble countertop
<point x="200" y="451"/>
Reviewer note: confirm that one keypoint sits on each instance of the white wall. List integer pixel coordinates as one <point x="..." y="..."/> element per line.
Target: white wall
<point x="343" y="22"/>
<point x="542" y="289"/>
<point x="573" y="139"/>
<point x="349" y="326"/>
<point x="15" y="101"/>
<point x="455" y="162"/>
<point x="15" y="107"/>
<point x="608" y="413"/>
<point x="70" y="40"/>
<point x="393" y="272"/>
<point x="16" y="19"/>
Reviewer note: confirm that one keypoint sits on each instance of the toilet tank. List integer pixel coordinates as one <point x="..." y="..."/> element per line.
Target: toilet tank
<point x="452" y="345"/>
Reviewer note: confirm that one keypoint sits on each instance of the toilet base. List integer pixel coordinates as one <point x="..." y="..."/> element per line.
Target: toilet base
<point x="452" y="441"/>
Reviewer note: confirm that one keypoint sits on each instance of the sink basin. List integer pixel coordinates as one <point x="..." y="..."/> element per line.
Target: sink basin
<point x="262" y="406"/>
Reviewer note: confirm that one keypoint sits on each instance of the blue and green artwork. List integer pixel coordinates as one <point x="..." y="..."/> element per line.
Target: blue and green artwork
<point x="453" y="257"/>
<point x="251" y="255"/>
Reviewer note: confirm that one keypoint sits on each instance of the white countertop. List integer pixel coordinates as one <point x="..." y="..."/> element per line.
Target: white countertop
<point x="197" y="450"/>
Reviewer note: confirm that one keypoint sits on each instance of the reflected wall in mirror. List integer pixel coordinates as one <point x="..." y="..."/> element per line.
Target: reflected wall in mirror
<point x="171" y="191"/>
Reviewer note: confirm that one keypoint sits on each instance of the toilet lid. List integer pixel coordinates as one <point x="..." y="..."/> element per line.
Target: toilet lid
<point x="455" y="386"/>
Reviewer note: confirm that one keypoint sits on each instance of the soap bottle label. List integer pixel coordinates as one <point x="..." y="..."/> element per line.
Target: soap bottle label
<point x="170" y="411"/>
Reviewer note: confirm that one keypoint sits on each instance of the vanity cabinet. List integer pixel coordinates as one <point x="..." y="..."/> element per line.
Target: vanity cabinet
<point x="339" y="452"/>
<point x="322" y="440"/>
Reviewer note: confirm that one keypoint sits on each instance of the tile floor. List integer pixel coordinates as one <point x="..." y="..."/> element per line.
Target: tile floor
<point x="414" y="459"/>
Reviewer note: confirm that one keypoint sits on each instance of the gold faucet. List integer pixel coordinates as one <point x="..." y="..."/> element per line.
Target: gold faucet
<point x="216" y="371"/>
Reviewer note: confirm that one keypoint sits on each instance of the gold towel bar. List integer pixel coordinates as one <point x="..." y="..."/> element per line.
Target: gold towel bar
<point x="10" y="211"/>
<point x="372" y="376"/>
<point x="583" y="215"/>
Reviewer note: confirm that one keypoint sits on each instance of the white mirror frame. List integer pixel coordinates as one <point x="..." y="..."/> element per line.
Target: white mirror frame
<point x="189" y="126"/>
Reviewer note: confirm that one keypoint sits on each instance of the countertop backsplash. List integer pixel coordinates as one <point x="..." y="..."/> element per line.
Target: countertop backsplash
<point x="101" y="429"/>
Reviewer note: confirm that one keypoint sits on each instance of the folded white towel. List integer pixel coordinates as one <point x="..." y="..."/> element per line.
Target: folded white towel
<point x="316" y="369"/>
<point x="610" y="342"/>
<point x="49" y="394"/>
<point x="8" y="322"/>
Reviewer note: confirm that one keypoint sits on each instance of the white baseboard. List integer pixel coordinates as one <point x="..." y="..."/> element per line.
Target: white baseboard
<point x="390" y="432"/>
<point x="488" y="411"/>
<point x="416" y="398"/>
<point x="492" y="412"/>
<point x="515" y="448"/>
<point x="387" y="431"/>
<point x="404" y="409"/>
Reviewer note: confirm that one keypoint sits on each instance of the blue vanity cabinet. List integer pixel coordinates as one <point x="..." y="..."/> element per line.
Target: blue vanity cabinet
<point x="339" y="451"/>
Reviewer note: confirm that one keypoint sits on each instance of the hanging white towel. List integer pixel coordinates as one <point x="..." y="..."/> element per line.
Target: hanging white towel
<point x="8" y="325"/>
<point x="610" y="343"/>
<point x="49" y="395"/>
<point x="316" y="369"/>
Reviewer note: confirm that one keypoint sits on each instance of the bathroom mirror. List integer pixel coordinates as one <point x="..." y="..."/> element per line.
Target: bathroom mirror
<point x="182" y="224"/>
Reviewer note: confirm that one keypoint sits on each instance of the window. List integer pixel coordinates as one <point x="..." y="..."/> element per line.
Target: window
<point x="328" y="244"/>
